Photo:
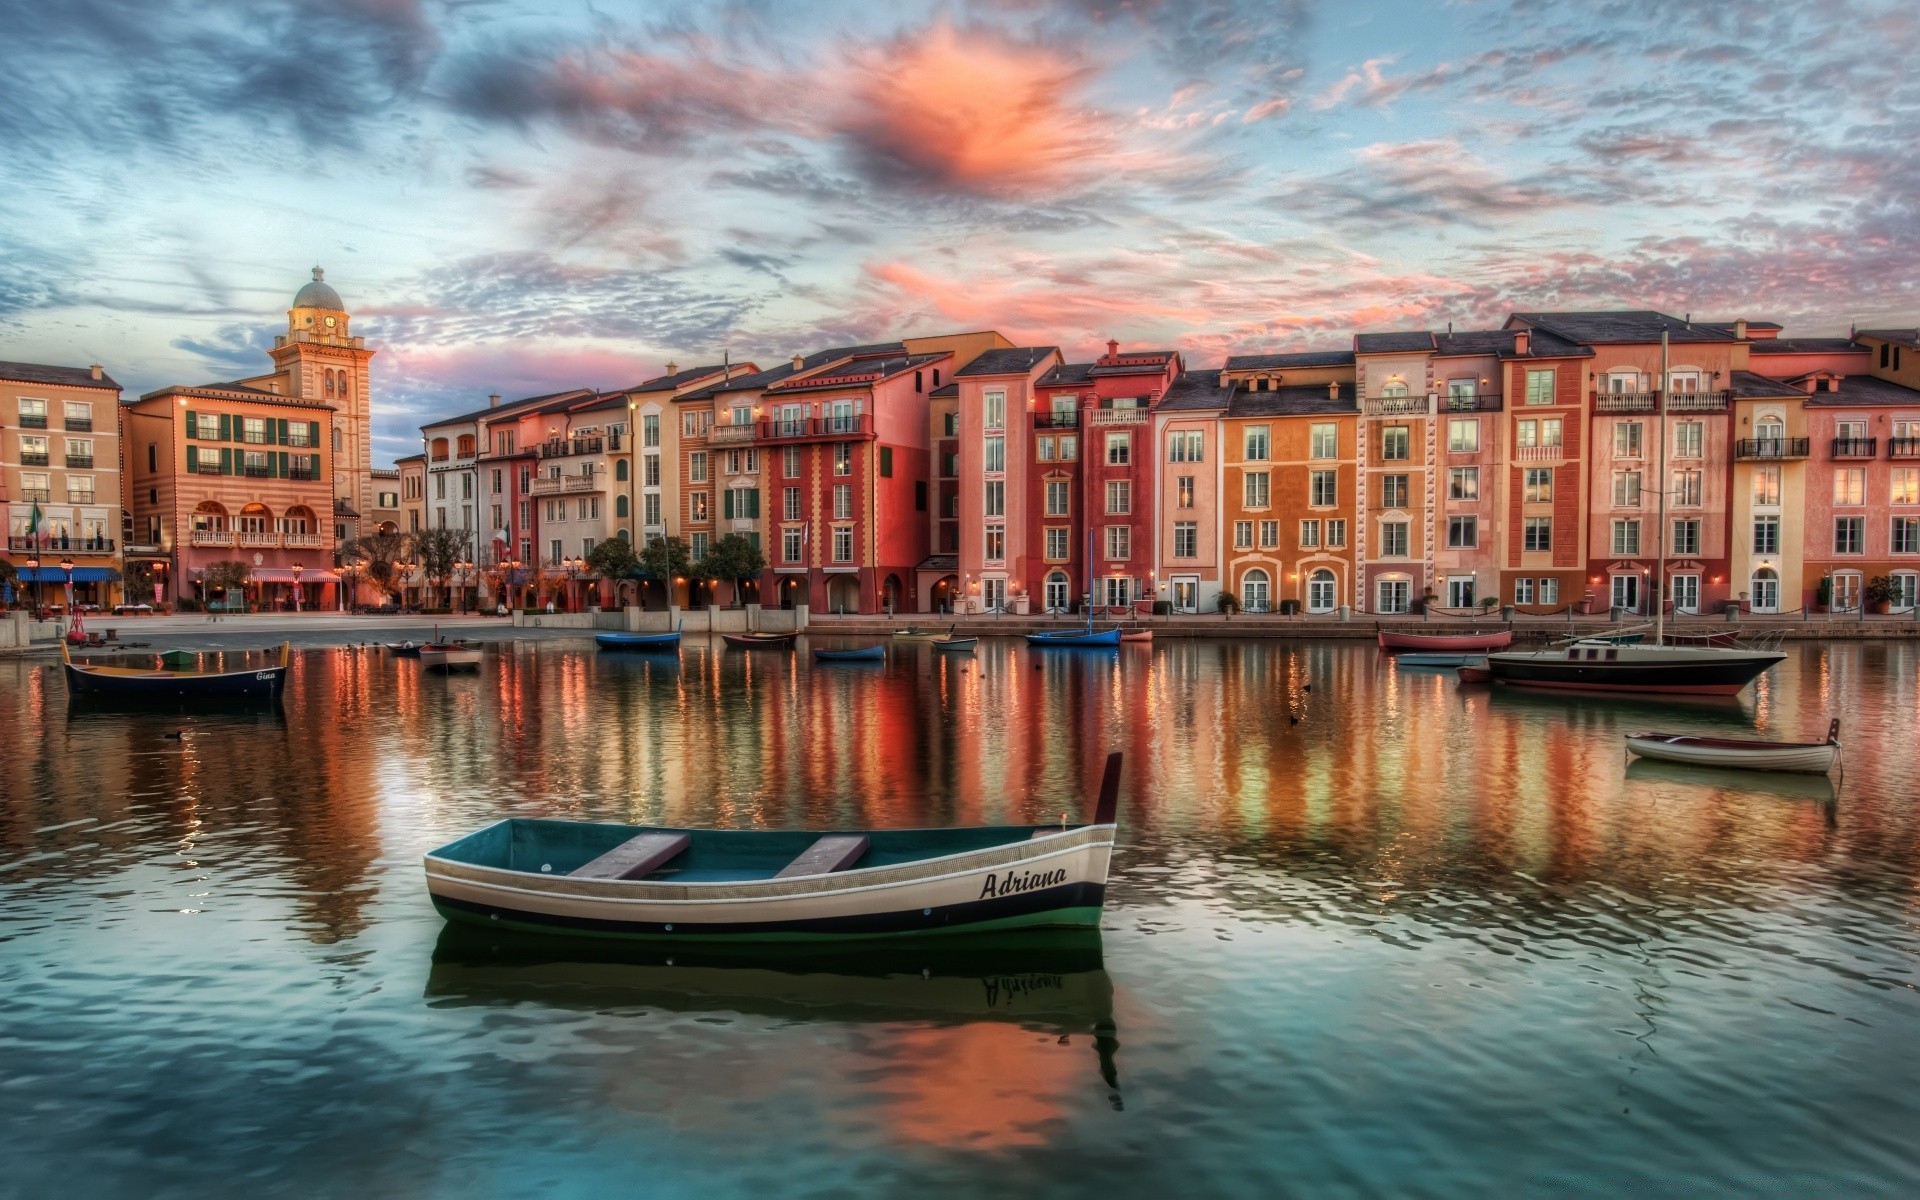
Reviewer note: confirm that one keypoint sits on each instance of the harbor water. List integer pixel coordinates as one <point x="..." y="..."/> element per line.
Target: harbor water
<point x="1368" y="933"/>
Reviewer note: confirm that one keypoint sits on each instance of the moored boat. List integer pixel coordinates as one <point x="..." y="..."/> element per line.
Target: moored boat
<point x="1497" y="639"/>
<point x="1749" y="754"/>
<point x="955" y="645"/>
<point x="1075" y="637"/>
<point x="914" y="631"/>
<point x="1137" y="635"/>
<point x="1655" y="669"/>
<point x="407" y="649"/>
<point x="642" y="642"/>
<point x="853" y="654"/>
<point x="450" y="656"/>
<point x="1417" y="658"/>
<point x="693" y="884"/>
<point x="760" y="641"/>
<point x="170" y="686"/>
<point x="1475" y="671"/>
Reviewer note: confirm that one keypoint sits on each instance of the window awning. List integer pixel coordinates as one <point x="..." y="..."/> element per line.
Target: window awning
<point x="285" y="575"/>
<point x="46" y="574"/>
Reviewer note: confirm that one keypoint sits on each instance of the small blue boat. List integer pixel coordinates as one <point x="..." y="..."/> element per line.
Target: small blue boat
<point x="858" y="654"/>
<point x="646" y="642"/>
<point x="1076" y="637"/>
<point x="1420" y="659"/>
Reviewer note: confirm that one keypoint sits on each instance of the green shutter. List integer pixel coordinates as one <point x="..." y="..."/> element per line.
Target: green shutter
<point x="284" y="473"/>
<point x="193" y="423"/>
<point x="753" y="539"/>
<point x="753" y="503"/>
<point x="886" y="462"/>
<point x="313" y="434"/>
<point x="726" y="504"/>
<point x="193" y="458"/>
<point x="226" y="433"/>
<point x="226" y="459"/>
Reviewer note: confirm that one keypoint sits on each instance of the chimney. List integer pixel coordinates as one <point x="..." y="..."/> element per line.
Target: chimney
<point x="673" y="368"/>
<point x="1113" y="349"/>
<point x="1523" y="341"/>
<point x="1224" y="381"/>
<point x="97" y="370"/>
<point x="493" y="400"/>
<point x="799" y="360"/>
<point x="1333" y="389"/>
<point x="1740" y="327"/>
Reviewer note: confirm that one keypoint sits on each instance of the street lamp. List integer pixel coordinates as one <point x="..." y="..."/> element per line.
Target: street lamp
<point x="574" y="566"/>
<point x="33" y="565"/>
<point x="66" y="565"/>
<point x="462" y="572"/>
<point x="297" y="568"/>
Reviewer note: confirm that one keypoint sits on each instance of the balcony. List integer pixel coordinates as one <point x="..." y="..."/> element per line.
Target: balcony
<point x="257" y="472"/>
<point x="80" y="497"/>
<point x="31" y="459"/>
<point x="1396" y="406"/>
<point x="43" y="495"/>
<point x="27" y="422"/>
<point x="79" y="424"/>
<point x="548" y="485"/>
<point x="1856" y="447"/>
<point x="80" y="462"/>
<point x="1057" y="420"/>
<point x="259" y="541"/>
<point x="860" y="425"/>
<point x="210" y="537"/>
<point x="1548" y="453"/>
<point x="304" y="474"/>
<point x="74" y="545"/>
<point x="1118" y="416"/>
<point x="1698" y="401"/>
<point x="724" y="434"/>
<point x="1480" y="403"/>
<point x="207" y="466"/>
<point x="1903" y="447"/>
<point x="564" y="449"/>
<point x="301" y="541"/>
<point x="1775" y="449"/>
<point x="1625" y="402"/>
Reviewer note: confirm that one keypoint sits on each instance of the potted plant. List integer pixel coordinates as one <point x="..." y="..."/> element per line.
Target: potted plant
<point x="1227" y="603"/>
<point x="1823" y="594"/>
<point x="1289" y="608"/>
<point x="1426" y="601"/>
<point x="1488" y="604"/>
<point x="1879" y="594"/>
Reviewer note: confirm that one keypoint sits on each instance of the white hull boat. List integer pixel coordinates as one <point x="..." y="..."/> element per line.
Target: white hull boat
<point x="1751" y="754"/>
<point x="450" y="658"/>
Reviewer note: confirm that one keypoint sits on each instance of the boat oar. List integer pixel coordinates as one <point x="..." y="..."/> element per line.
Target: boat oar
<point x="1103" y="812"/>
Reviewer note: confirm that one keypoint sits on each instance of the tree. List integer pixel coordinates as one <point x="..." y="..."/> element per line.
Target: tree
<point x="735" y="559"/>
<point x="378" y="553"/>
<point x="438" y="550"/>
<point x="224" y="576"/>
<point x="666" y="559"/>
<point x="612" y="559"/>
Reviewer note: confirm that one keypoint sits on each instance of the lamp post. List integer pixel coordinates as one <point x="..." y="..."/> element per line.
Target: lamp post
<point x="462" y="571"/>
<point x="574" y="567"/>
<point x="33" y="565"/>
<point x="297" y="568"/>
<point x="66" y="565"/>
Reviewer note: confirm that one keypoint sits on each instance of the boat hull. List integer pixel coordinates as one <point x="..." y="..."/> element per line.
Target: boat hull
<point x="404" y="649"/>
<point x="172" y="687"/>
<point x="1477" y="673"/>
<point x="1810" y="758"/>
<point x="1438" y="642"/>
<point x="1053" y="881"/>
<point x="864" y="654"/>
<point x="1102" y="638"/>
<point x="956" y="645"/>
<point x="745" y="641"/>
<point x="1687" y="677"/>
<point x="450" y="660"/>
<point x="1422" y="658"/>
<point x="654" y="643"/>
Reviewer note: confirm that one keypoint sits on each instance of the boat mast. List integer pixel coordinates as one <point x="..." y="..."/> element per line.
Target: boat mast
<point x="1660" y="485"/>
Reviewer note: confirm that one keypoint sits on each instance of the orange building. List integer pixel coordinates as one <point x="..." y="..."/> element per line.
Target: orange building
<point x="60" y="482"/>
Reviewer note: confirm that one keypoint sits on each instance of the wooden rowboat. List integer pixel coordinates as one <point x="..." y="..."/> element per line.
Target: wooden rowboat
<point x="1750" y="754"/>
<point x="760" y="641"/>
<point x="857" y="654"/>
<point x="643" y="642"/>
<point x="404" y="649"/>
<point x="1071" y="638"/>
<point x="1497" y="639"/>
<point x="766" y="885"/>
<point x="1137" y="635"/>
<point x="914" y="631"/>
<point x="141" y="685"/>
<point x="955" y="645"/>
<point x="1476" y="671"/>
<point x="1417" y="658"/>
<point x="450" y="656"/>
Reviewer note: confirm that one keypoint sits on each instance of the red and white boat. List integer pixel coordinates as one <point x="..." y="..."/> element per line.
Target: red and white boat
<point x="1813" y="758"/>
<point x="1496" y="639"/>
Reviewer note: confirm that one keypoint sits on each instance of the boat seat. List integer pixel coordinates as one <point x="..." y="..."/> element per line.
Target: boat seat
<point x="635" y="858"/>
<point x="835" y="852"/>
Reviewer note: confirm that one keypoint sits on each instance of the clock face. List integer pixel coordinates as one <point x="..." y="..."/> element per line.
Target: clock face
<point x="330" y="322"/>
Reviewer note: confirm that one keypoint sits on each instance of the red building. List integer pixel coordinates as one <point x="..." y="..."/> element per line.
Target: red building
<point x="1092" y="450"/>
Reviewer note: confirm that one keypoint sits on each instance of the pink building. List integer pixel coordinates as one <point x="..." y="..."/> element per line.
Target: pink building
<point x="1003" y="552"/>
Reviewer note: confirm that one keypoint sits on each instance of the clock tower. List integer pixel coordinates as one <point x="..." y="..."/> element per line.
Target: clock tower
<point x="321" y="360"/>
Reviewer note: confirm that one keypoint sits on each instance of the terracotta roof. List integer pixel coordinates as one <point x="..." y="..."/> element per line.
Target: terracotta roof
<point x="1866" y="389"/>
<point x="1910" y="338"/>
<point x="1195" y="390"/>
<point x="1749" y="386"/>
<point x="680" y="379"/>
<point x="946" y="391"/>
<point x="863" y="371"/>
<point x="1283" y="362"/>
<point x="1066" y="375"/>
<point x="1543" y="343"/>
<point x="1307" y="399"/>
<point x="20" y="372"/>
<point x="1411" y="342"/>
<point x="1017" y="361"/>
<point x="1632" y="326"/>
<point x="1135" y="362"/>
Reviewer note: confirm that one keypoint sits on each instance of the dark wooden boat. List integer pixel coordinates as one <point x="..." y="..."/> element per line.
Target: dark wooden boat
<point x="856" y="654"/>
<point x="404" y="649"/>
<point x="162" y="686"/>
<point x="1606" y="666"/>
<point x="760" y="641"/>
<point x="1474" y="672"/>
<point x="1458" y="643"/>
<point x="608" y="880"/>
<point x="651" y="643"/>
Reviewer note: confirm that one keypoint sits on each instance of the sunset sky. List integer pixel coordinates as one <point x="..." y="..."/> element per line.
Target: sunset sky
<point x="523" y="196"/>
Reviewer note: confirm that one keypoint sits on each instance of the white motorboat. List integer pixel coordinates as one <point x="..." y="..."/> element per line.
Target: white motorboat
<point x="450" y="656"/>
<point x="1751" y="754"/>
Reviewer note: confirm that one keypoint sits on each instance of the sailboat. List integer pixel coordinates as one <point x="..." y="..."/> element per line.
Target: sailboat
<point x="1607" y="665"/>
<point x="1080" y="638"/>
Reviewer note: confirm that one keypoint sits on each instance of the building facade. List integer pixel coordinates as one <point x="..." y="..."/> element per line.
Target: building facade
<point x="60" y="481"/>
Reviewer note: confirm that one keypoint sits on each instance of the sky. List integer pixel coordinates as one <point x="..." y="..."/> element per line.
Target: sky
<point x="528" y="195"/>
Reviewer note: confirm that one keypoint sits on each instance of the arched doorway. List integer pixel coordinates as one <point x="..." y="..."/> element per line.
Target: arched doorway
<point x="1058" y="593"/>
<point x="940" y="597"/>
<point x="843" y="594"/>
<point x="892" y="594"/>
<point x="1323" y="592"/>
<point x="1764" y="591"/>
<point x="790" y="593"/>
<point x="1255" y="591"/>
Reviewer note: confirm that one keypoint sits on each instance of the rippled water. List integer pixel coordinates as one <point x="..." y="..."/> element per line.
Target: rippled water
<point x="1368" y="933"/>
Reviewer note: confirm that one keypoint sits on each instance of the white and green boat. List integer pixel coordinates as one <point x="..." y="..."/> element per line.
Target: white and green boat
<point x="604" y="880"/>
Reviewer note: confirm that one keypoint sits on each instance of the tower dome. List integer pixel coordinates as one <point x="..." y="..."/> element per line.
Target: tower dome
<point x="318" y="295"/>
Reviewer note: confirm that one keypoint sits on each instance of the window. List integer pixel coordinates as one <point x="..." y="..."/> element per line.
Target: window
<point x="650" y="473"/>
<point x="1258" y="443"/>
<point x="1689" y="439"/>
<point x="1766" y="535"/>
<point x="996" y="454"/>
<point x="254" y="430"/>
<point x="1541" y="432"/>
<point x="1323" y="489"/>
<point x="1766" y="486"/>
<point x="1183" y="492"/>
<point x="1686" y="536"/>
<point x="1537" y="534"/>
<point x="697" y="466"/>
<point x="1460" y="591"/>
<point x="649" y="509"/>
<point x="1850" y="485"/>
<point x="741" y="415"/>
<point x="650" y="430"/>
<point x="886" y="462"/>
<point x="1463" y="483"/>
<point x="1540" y="387"/>
<point x="1119" y="497"/>
<point x="1119" y="591"/>
<point x="1684" y="591"/>
<point x="1255" y="488"/>
<point x="33" y="450"/>
<point x="993" y="409"/>
<point x="1905" y="485"/>
<point x="1393" y="491"/>
<point x="1056" y="544"/>
<point x="996" y="544"/>
<point x="1626" y="489"/>
<point x="1463" y="436"/>
<point x="1539" y="489"/>
<point x="1243" y="535"/>
<point x="790" y="504"/>
<point x="1849" y="535"/>
<point x="1119" y="449"/>
<point x="1523" y="591"/>
<point x="699" y="508"/>
<point x="791" y="541"/>
<point x="556" y="549"/>
<point x="1394" y="595"/>
<point x="1336" y="533"/>
<point x="790" y="462"/>
<point x="1044" y="449"/>
<point x="1322" y="593"/>
<point x="842" y="502"/>
<point x="35" y="485"/>
<point x="994" y="500"/>
<point x="1324" y="441"/>
<point x="1184" y="446"/>
<point x="1254" y="591"/>
<point x="1119" y="541"/>
<point x="1688" y="489"/>
<point x="1309" y="535"/>
<point x="1549" y="591"/>
<point x="1186" y="539"/>
<point x="1393" y="539"/>
<point x="1906" y="535"/>
<point x="843" y="458"/>
<point x="1463" y="533"/>
<point x="1626" y="537"/>
<point x="695" y="423"/>
<point x="842" y="544"/>
<point x="1269" y="535"/>
<point x="1626" y="439"/>
<point x="1069" y="447"/>
<point x="697" y="547"/>
<point x="80" y="489"/>
<point x="1396" y="443"/>
<point x="33" y="415"/>
<point x="1059" y="497"/>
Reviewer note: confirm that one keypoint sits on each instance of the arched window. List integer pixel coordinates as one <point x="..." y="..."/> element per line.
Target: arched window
<point x="620" y="470"/>
<point x="1322" y="591"/>
<point x="1058" y="599"/>
<point x="620" y="505"/>
<point x="1395" y="388"/>
<point x="1771" y="432"/>
<point x="1255" y="591"/>
<point x="343" y="385"/>
<point x="327" y="381"/>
